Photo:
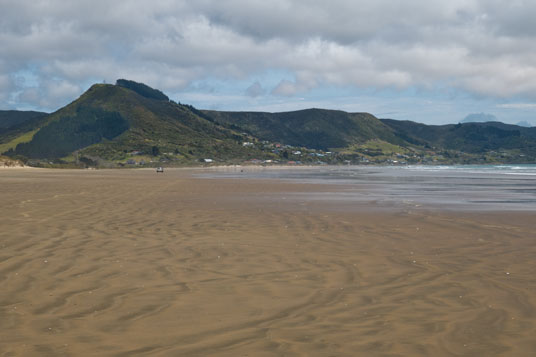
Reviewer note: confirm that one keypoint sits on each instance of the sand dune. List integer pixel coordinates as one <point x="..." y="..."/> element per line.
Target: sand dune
<point x="124" y="262"/>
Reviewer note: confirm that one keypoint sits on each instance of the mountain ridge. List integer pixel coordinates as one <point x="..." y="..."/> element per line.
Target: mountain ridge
<point x="116" y="125"/>
<point x="314" y="128"/>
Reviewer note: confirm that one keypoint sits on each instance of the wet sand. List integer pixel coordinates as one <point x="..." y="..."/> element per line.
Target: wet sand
<point x="130" y="262"/>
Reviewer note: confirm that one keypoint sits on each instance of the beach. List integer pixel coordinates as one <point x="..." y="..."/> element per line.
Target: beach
<point x="189" y="263"/>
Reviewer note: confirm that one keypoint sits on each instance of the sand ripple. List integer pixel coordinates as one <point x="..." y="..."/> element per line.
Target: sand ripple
<point x="124" y="263"/>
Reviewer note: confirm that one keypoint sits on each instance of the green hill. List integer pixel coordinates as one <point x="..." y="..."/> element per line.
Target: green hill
<point x="476" y="138"/>
<point x="12" y="118"/>
<point x="142" y="89"/>
<point x="18" y="126"/>
<point x="130" y="123"/>
<point x="89" y="125"/>
<point x="110" y="121"/>
<point x="312" y="128"/>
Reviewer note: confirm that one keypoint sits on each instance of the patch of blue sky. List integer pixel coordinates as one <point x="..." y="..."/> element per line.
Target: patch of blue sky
<point x="439" y="105"/>
<point x="268" y="79"/>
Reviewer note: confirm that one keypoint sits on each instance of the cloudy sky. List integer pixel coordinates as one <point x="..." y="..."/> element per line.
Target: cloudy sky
<point x="428" y="61"/>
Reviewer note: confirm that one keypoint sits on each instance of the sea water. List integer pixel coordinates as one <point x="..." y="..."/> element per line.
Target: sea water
<point x="469" y="187"/>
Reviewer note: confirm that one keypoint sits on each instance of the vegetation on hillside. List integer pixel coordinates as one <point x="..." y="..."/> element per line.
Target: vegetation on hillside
<point x="22" y="127"/>
<point x="152" y="131"/>
<point x="475" y="138"/>
<point x="12" y="118"/>
<point x="130" y="124"/>
<point x="312" y="128"/>
<point x="142" y="89"/>
<point x="88" y="126"/>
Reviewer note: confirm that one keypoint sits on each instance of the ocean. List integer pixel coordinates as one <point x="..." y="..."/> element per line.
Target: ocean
<point x="458" y="187"/>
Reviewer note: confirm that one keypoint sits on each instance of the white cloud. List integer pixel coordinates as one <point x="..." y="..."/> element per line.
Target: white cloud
<point x="285" y="88"/>
<point x="51" y="94"/>
<point x="484" y="47"/>
<point x="517" y="106"/>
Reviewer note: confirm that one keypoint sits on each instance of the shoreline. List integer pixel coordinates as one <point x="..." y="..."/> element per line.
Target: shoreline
<point x="379" y="188"/>
<point x="276" y="166"/>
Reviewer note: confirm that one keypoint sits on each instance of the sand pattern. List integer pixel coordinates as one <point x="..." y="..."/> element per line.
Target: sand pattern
<point x="125" y="262"/>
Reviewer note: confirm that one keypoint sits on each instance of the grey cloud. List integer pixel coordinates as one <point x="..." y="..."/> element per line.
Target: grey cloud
<point x="6" y="86"/>
<point x="484" y="47"/>
<point x="255" y="90"/>
<point x="51" y="94"/>
<point x="513" y="19"/>
<point x="337" y="20"/>
<point x="31" y="95"/>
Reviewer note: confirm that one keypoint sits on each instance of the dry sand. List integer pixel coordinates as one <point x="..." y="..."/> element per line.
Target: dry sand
<point x="113" y="263"/>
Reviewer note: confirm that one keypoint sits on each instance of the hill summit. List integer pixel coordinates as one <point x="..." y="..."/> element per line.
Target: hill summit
<point x="110" y="121"/>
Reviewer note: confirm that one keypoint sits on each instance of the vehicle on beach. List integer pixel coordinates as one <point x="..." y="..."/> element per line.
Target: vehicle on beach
<point x="159" y="169"/>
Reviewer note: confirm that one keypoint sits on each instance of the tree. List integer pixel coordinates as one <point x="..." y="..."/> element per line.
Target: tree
<point x="142" y="89"/>
<point x="155" y="151"/>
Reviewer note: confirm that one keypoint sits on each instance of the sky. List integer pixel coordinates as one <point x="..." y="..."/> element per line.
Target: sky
<point x="429" y="61"/>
